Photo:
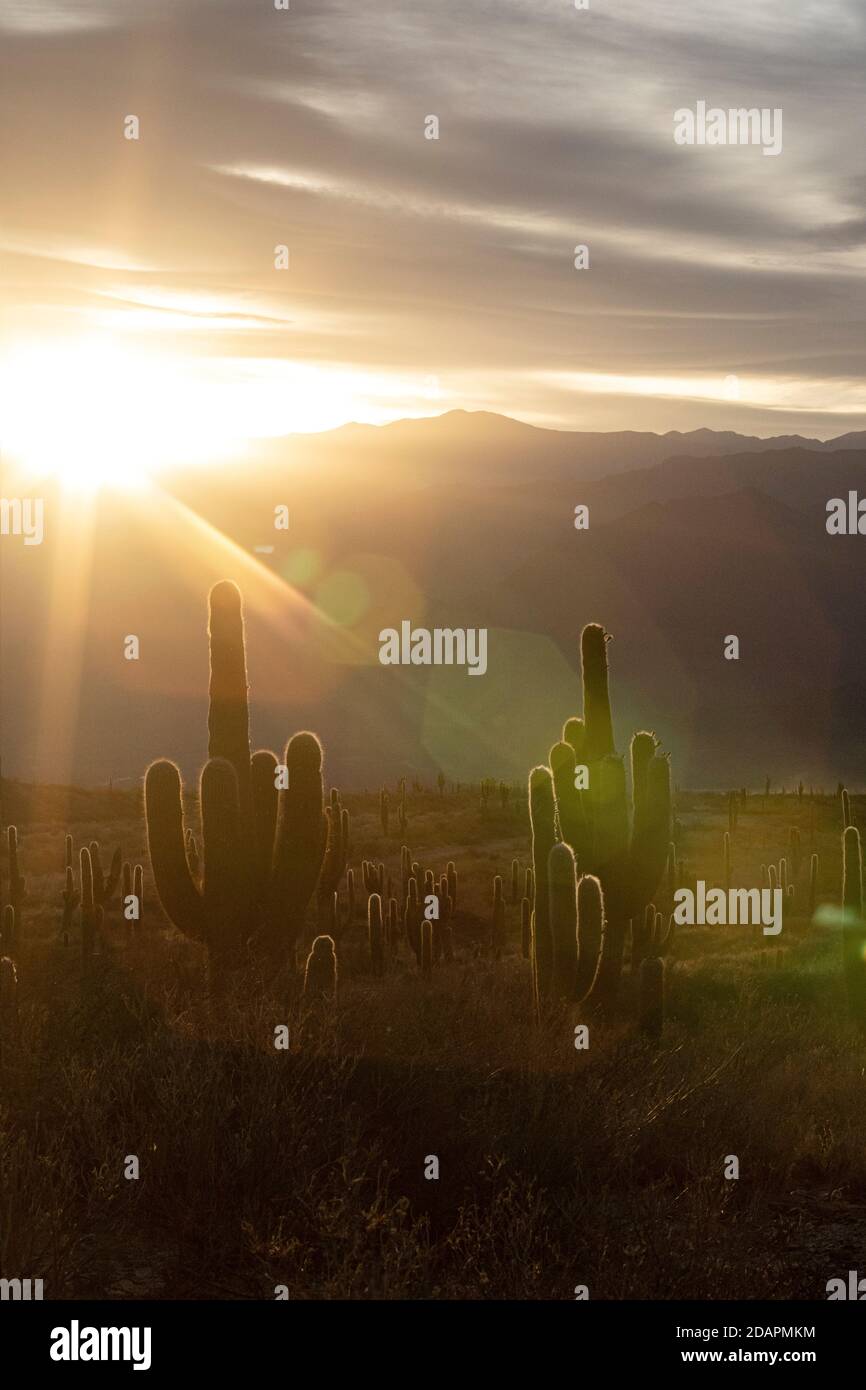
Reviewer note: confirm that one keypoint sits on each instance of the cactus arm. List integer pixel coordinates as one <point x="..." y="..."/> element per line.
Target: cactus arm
<point x="562" y="898"/>
<point x="542" y="821"/>
<point x="225" y="884"/>
<point x="596" y="694"/>
<point x="651" y="836"/>
<point x="590" y="920"/>
<point x="569" y="801"/>
<point x="174" y="883"/>
<point x="229" y="713"/>
<point x="300" y="840"/>
<point x="264" y="799"/>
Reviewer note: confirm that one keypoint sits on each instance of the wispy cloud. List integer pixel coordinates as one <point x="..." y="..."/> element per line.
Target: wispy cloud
<point x="452" y="258"/>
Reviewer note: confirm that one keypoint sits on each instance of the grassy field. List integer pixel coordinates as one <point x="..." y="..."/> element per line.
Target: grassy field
<point x="305" y="1167"/>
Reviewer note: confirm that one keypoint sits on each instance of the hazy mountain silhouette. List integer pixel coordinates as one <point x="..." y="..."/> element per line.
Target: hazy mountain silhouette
<point x="461" y="521"/>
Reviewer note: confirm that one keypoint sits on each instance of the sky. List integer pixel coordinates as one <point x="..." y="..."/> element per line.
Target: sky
<point x="141" y="305"/>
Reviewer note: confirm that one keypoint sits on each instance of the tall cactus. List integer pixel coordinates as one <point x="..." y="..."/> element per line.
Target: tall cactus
<point x="376" y="933"/>
<point x="263" y="846"/>
<point x="628" y="855"/>
<point x="854" y="927"/>
<point x="17" y="886"/>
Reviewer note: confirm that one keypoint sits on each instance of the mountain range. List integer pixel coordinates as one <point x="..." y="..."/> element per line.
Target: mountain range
<point x="462" y="520"/>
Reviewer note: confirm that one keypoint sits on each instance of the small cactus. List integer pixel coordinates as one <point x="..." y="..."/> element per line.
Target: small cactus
<point x="846" y="809"/>
<point x="376" y="933"/>
<point x="451" y="874"/>
<point x="651" y="997"/>
<point x="9" y="1021"/>
<point x="320" y="974"/>
<point x="813" y="885"/>
<point x="71" y="899"/>
<point x="17" y="885"/>
<point x="515" y="882"/>
<point x="854" y="928"/>
<point x="7" y="930"/>
<point x="384" y="811"/>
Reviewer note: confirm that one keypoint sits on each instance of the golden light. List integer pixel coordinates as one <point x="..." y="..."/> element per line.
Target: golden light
<point x="95" y="411"/>
<point x="91" y="412"/>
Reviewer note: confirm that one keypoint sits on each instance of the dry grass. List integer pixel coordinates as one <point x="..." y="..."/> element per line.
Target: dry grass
<point x="306" y="1167"/>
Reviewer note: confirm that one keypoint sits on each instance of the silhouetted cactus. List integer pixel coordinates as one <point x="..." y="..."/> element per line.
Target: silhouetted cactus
<point x="451" y="873"/>
<point x="71" y="901"/>
<point x="320" y="974"/>
<point x="727" y="859"/>
<point x="336" y="850"/>
<point x="846" y="809"/>
<point x="7" y="930"/>
<point x="651" y="997"/>
<point x="542" y="819"/>
<point x="91" y="911"/>
<point x="376" y="933"/>
<point x="642" y="929"/>
<point x="590" y="929"/>
<point x="515" y="882"/>
<point x="813" y="885"/>
<point x="854" y="928"/>
<point x="414" y="914"/>
<point x="263" y="845"/>
<point x="384" y="811"/>
<point x="562" y="899"/>
<point x="9" y="1017"/>
<point x="673" y="870"/>
<point x="373" y="876"/>
<point x="105" y="884"/>
<point x="17" y="885"/>
<point x="392" y="928"/>
<point x="628" y="860"/>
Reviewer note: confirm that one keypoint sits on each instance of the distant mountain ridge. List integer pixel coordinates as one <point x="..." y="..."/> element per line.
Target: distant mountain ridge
<point x="465" y="520"/>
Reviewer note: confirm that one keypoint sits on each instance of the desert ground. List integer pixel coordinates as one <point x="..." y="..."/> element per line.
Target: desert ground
<point x="305" y="1167"/>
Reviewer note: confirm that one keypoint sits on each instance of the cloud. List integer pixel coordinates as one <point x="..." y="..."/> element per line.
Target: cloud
<point x="454" y="256"/>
